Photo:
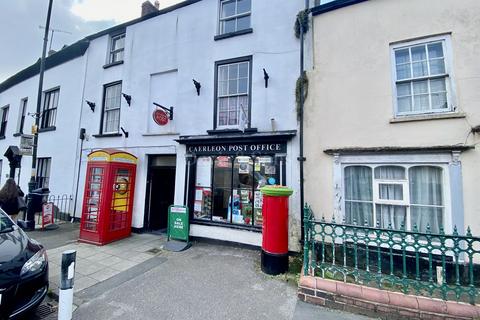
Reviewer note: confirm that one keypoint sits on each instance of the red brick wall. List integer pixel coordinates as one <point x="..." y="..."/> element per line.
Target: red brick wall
<point x="380" y="303"/>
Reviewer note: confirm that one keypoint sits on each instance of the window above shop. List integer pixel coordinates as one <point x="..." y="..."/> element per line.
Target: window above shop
<point x="110" y="122"/>
<point x="21" y="115"/>
<point x="234" y="18"/>
<point x="422" y="79"/>
<point x="4" y="119"/>
<point x="49" y="109"/>
<point x="116" y="50"/>
<point x="233" y="83"/>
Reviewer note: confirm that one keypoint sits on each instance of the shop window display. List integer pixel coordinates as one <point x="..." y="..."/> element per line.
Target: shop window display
<point x="202" y="208"/>
<point x="227" y="188"/>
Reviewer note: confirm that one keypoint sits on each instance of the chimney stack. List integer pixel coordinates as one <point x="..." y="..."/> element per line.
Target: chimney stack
<point x="148" y="7"/>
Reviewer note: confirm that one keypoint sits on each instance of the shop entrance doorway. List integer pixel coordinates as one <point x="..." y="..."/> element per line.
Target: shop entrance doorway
<point x="160" y="192"/>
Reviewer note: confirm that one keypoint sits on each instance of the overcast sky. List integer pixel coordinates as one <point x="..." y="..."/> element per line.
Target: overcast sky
<point x="22" y="39"/>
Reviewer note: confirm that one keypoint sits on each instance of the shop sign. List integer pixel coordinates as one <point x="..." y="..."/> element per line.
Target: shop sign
<point x="26" y="144"/>
<point x="160" y="117"/>
<point x="47" y="214"/>
<point x="237" y="148"/>
<point x="178" y="223"/>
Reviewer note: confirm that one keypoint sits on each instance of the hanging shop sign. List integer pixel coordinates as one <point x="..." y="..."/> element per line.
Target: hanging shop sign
<point x="160" y="117"/>
<point x="237" y="148"/>
<point x="161" y="114"/>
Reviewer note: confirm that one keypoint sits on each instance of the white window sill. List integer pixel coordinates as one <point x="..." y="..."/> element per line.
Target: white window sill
<point x="425" y="117"/>
<point x="148" y="134"/>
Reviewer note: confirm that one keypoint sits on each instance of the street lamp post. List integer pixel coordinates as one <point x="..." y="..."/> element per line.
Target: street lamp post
<point x="30" y="214"/>
<point x="32" y="183"/>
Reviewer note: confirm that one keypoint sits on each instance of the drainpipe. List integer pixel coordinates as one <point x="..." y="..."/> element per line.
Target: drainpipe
<point x="301" y="157"/>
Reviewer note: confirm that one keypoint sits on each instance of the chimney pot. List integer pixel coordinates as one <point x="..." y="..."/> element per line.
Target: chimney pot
<point x="147" y="8"/>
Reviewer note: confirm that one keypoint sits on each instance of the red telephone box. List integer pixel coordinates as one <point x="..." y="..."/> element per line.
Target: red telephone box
<point x="108" y="197"/>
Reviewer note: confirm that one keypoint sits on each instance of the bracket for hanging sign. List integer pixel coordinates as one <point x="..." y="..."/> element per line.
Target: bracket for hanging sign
<point x="265" y="77"/>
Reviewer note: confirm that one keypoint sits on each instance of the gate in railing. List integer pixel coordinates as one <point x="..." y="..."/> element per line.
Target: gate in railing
<point x="62" y="206"/>
<point x="422" y="263"/>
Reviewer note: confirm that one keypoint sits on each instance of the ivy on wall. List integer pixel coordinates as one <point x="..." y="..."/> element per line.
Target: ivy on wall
<point x="301" y="88"/>
<point x="302" y="19"/>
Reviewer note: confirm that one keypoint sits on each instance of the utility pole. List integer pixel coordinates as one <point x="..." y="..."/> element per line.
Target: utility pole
<point x="32" y="183"/>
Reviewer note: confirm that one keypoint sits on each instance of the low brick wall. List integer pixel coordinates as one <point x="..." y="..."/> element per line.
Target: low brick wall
<point x="380" y="303"/>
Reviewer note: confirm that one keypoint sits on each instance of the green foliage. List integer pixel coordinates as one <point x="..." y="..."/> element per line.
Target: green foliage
<point x="302" y="20"/>
<point x="301" y="88"/>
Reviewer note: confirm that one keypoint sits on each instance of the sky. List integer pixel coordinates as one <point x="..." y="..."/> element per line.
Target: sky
<point x="22" y="39"/>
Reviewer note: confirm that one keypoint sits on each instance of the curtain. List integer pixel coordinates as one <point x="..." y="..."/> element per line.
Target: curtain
<point x="426" y="197"/>
<point x="358" y="195"/>
<point x="243" y="110"/>
<point x="391" y="215"/>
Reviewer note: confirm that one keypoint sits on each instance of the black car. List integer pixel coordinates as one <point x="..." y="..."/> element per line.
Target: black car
<point x="23" y="270"/>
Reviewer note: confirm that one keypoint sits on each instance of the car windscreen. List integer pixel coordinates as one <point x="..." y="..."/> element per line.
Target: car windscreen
<point x="6" y="224"/>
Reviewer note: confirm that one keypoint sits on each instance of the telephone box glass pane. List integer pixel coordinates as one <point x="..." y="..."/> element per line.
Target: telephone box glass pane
<point x="120" y="200"/>
<point x="90" y="218"/>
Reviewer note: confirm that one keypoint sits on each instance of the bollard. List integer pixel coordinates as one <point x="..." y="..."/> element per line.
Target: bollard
<point x="67" y="275"/>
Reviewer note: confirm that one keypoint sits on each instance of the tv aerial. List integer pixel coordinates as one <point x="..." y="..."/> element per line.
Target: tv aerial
<point x="53" y="30"/>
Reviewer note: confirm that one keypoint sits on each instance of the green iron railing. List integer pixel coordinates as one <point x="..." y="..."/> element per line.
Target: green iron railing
<point x="422" y="263"/>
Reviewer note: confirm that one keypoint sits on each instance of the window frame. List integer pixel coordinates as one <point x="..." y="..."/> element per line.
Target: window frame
<point x="235" y="16"/>
<point x="404" y="160"/>
<point x="218" y="64"/>
<point x="53" y="110"/>
<point x="406" y="191"/>
<point x="277" y="160"/>
<point x="102" y="118"/>
<point x="112" y="52"/>
<point x="43" y="171"/>
<point x="445" y="40"/>
<point x="21" y="115"/>
<point x="4" y="121"/>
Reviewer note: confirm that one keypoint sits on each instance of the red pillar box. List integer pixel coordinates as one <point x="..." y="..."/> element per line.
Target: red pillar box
<point x="275" y="229"/>
<point x="108" y="198"/>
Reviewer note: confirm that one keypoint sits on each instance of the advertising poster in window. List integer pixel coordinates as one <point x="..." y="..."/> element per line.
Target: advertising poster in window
<point x="204" y="172"/>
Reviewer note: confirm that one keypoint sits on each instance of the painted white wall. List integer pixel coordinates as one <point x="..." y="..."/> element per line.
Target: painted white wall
<point x="162" y="56"/>
<point x="61" y="144"/>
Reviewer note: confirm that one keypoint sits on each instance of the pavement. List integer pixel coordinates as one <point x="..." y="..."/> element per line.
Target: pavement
<point x="137" y="278"/>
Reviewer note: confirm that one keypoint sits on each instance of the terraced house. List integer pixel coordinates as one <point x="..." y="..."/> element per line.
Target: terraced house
<point x="207" y="107"/>
<point x="391" y="136"/>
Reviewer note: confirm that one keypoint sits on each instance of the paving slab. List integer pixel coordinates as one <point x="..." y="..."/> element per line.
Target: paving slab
<point x="136" y="276"/>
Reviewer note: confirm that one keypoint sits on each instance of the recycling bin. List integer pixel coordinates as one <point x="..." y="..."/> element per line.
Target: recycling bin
<point x="274" y="258"/>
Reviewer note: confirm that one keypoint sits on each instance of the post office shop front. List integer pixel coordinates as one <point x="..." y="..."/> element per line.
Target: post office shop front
<point x="225" y="174"/>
